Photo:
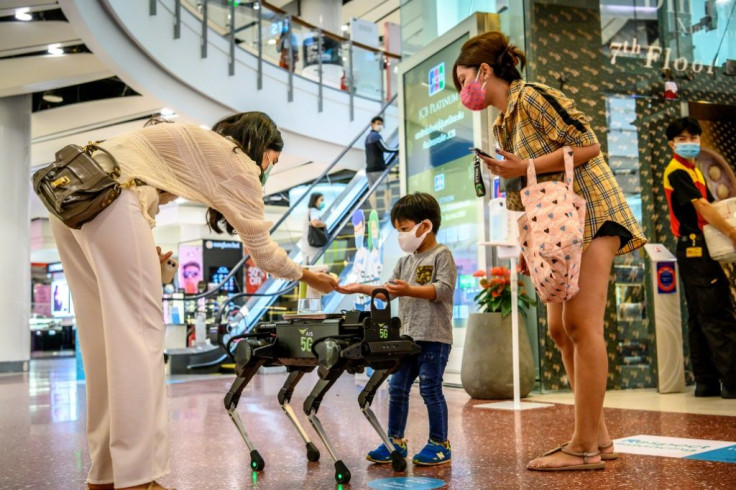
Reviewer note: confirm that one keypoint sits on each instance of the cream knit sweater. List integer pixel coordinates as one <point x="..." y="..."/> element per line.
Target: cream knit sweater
<point x="200" y="165"/>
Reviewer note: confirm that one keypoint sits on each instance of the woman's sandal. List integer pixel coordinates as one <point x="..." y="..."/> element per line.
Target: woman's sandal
<point x="585" y="466"/>
<point x="612" y="456"/>
<point x="100" y="486"/>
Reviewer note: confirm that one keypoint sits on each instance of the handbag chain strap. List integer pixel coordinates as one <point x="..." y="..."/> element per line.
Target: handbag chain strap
<point x="93" y="146"/>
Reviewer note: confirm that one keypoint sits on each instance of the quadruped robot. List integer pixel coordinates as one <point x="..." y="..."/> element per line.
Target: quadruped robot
<point x="346" y="342"/>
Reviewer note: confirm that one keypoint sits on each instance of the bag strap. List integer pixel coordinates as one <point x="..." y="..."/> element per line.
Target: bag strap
<point x="569" y="165"/>
<point x="552" y="100"/>
<point x="92" y="147"/>
<point x="531" y="171"/>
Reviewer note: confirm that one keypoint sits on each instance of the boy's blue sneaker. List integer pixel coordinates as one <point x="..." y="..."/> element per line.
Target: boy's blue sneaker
<point x="382" y="455"/>
<point x="433" y="453"/>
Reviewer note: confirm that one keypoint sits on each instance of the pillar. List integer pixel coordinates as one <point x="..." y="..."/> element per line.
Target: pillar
<point x="15" y="231"/>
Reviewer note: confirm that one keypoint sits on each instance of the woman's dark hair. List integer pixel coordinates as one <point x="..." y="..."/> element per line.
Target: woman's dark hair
<point x="494" y="49"/>
<point x="417" y="207"/>
<point x="689" y="124"/>
<point x="313" y="198"/>
<point x="254" y="133"/>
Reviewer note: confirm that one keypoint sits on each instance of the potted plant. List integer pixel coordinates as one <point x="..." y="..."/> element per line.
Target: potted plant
<point x="487" y="371"/>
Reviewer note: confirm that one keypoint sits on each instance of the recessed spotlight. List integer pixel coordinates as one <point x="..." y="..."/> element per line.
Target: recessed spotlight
<point x="52" y="98"/>
<point x="271" y="42"/>
<point x="344" y="28"/>
<point x="56" y="49"/>
<point x="23" y="14"/>
<point x="168" y="113"/>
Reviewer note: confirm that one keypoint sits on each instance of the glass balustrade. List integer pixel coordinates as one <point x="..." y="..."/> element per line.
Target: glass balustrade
<point x="293" y="44"/>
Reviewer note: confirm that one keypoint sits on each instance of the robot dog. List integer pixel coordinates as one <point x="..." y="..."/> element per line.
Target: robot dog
<point x="349" y="343"/>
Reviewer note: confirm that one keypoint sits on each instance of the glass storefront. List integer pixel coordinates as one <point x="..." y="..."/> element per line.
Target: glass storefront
<point x="631" y="66"/>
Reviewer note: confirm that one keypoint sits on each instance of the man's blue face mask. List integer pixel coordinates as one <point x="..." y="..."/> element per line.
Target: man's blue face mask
<point x="687" y="150"/>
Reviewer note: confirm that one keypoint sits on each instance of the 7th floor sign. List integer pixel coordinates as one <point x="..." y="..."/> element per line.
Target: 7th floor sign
<point x="654" y="54"/>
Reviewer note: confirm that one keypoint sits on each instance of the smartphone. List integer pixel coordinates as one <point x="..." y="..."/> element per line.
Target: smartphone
<point x="498" y="155"/>
<point x="168" y="270"/>
<point x="478" y="151"/>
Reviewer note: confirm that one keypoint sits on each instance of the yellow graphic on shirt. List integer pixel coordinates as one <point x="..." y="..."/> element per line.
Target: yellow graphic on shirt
<point x="424" y="274"/>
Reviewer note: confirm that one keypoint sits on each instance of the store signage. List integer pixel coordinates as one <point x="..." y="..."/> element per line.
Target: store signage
<point x="55" y="267"/>
<point x="436" y="79"/>
<point x="666" y="278"/>
<point x="439" y="182"/>
<point x="654" y="54"/>
<point x="678" y="447"/>
<point x="222" y="245"/>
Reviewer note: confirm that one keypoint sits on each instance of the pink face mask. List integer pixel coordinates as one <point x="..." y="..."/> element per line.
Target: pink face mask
<point x="473" y="95"/>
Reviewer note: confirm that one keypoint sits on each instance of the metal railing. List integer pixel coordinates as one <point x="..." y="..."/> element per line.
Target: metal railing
<point x="327" y="58"/>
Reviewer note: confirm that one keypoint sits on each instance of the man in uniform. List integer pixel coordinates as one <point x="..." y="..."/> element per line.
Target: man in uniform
<point x="711" y="315"/>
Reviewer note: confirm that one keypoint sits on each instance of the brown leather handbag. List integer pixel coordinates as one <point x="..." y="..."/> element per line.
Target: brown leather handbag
<point x="75" y="188"/>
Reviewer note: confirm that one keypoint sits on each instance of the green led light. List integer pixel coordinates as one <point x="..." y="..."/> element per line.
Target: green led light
<point x="339" y="476"/>
<point x="254" y="464"/>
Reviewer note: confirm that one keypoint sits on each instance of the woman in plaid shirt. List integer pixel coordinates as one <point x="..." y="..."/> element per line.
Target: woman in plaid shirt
<point x="536" y="122"/>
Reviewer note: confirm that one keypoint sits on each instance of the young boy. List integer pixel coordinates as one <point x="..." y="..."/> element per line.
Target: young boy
<point x="424" y="282"/>
<point x="711" y="315"/>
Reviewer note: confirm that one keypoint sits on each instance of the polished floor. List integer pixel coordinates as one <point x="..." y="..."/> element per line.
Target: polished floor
<point x="43" y="446"/>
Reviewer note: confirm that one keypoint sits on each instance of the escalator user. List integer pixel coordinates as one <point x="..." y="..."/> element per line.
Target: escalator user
<point x="375" y="160"/>
<point x="313" y="225"/>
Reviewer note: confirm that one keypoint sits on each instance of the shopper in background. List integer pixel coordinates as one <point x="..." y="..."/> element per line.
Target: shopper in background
<point x="711" y="316"/>
<point x="536" y="122"/>
<point x="313" y="218"/>
<point x="114" y="274"/>
<point x="375" y="160"/>
<point x="424" y="281"/>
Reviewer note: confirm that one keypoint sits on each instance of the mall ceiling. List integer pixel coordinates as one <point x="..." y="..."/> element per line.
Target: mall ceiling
<point x="77" y="81"/>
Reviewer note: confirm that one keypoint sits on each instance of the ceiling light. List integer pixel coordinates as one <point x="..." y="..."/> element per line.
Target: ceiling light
<point x="168" y="113"/>
<point x="344" y="28"/>
<point x="271" y="41"/>
<point x="52" y="97"/>
<point x="56" y="49"/>
<point x="23" y="14"/>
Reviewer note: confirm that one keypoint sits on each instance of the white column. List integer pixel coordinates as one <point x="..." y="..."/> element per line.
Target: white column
<point x="323" y="13"/>
<point x="15" y="231"/>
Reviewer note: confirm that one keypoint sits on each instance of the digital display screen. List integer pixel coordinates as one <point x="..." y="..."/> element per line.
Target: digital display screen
<point x="61" y="301"/>
<point x="218" y="274"/>
<point x="438" y="133"/>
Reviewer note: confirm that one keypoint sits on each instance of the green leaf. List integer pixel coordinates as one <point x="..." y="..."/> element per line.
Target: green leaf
<point x="505" y="309"/>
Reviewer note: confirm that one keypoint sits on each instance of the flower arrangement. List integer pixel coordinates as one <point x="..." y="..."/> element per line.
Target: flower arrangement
<point x="496" y="293"/>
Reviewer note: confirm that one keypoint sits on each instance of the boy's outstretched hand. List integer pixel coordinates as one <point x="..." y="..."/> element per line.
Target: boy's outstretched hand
<point x="351" y="288"/>
<point x="398" y="288"/>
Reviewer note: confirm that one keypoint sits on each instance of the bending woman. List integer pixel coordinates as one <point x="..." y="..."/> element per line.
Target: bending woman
<point x="113" y="269"/>
<point x="537" y="122"/>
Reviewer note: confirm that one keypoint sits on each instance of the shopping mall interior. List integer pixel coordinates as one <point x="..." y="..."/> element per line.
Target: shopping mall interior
<point x="237" y="339"/>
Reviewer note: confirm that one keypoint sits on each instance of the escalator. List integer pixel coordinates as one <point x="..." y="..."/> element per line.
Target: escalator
<point x="276" y="296"/>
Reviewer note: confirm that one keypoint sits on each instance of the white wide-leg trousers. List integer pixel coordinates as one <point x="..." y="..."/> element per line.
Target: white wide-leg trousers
<point x="114" y="276"/>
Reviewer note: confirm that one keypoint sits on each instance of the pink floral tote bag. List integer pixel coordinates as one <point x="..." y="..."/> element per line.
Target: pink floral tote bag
<point x="551" y="233"/>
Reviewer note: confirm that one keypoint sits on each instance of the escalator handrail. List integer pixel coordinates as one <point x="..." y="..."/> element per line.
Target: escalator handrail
<point x="331" y="236"/>
<point x="212" y="292"/>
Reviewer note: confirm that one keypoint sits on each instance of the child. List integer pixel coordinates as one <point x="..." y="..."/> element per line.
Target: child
<point x="424" y="282"/>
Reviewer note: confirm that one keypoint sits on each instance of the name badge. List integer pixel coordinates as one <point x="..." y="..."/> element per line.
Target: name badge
<point x="693" y="252"/>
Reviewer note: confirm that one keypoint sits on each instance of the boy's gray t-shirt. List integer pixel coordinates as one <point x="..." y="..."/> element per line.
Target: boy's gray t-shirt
<point x="421" y="319"/>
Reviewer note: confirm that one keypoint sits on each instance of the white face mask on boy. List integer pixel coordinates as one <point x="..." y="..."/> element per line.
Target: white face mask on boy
<point x="409" y="242"/>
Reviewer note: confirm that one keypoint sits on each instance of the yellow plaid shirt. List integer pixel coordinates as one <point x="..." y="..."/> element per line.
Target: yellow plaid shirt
<point x="531" y="127"/>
